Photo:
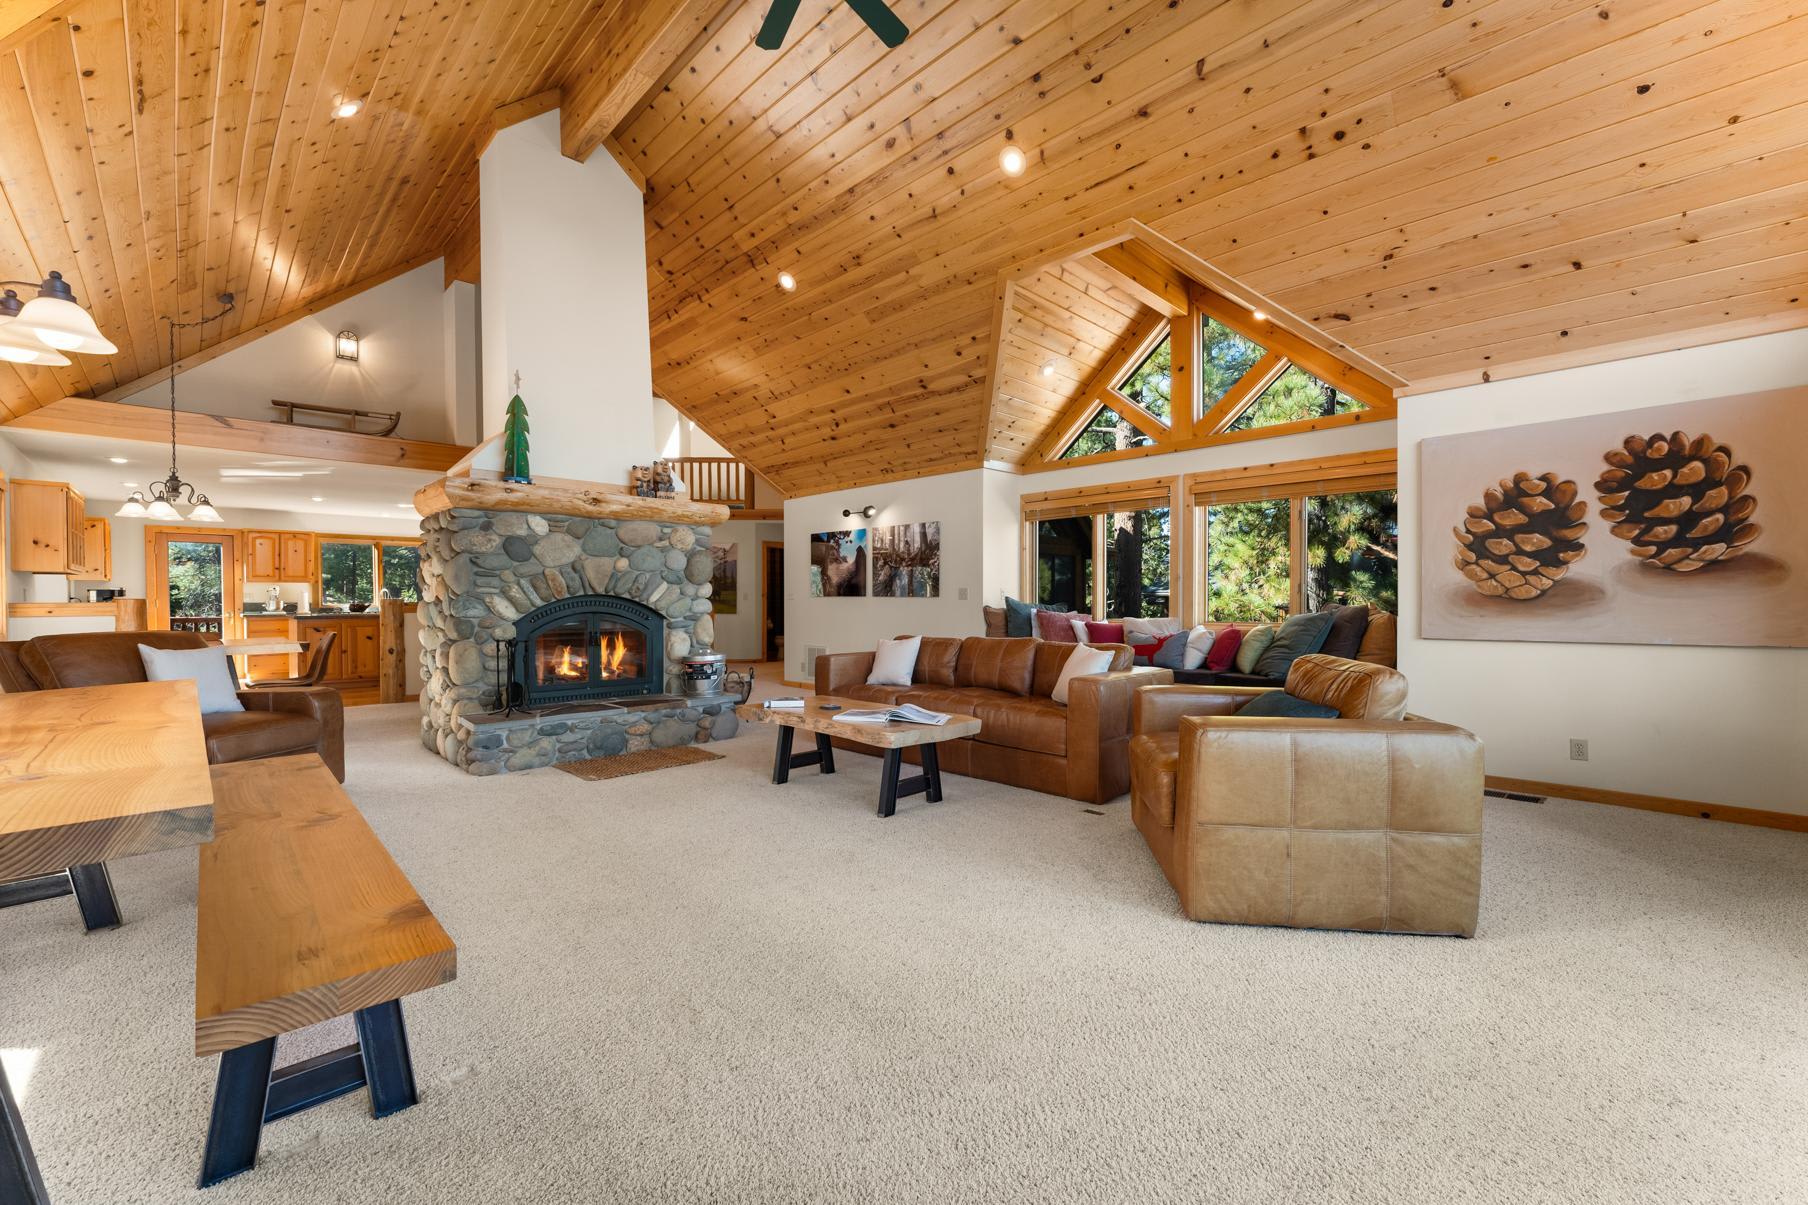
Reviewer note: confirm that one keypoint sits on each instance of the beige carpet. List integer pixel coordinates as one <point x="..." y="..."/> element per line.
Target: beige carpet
<point x="696" y="986"/>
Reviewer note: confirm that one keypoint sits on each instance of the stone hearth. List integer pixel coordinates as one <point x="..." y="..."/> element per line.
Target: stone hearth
<point x="481" y="569"/>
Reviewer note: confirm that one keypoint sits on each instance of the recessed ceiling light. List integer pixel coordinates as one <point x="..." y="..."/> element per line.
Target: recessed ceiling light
<point x="1258" y="315"/>
<point x="118" y="460"/>
<point x="347" y="108"/>
<point x="1048" y="369"/>
<point x="406" y="505"/>
<point x="1013" y="160"/>
<point x="318" y="498"/>
<point x="786" y="281"/>
<point x="131" y="485"/>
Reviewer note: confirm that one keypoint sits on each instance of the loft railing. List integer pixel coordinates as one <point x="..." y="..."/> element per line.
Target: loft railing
<point x="721" y="479"/>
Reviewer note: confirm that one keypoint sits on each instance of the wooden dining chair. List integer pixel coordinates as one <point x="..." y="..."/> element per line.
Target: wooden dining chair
<point x="319" y="652"/>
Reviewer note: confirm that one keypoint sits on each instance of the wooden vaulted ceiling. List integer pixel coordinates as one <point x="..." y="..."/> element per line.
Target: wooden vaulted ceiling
<point x="1451" y="188"/>
<point x="162" y="152"/>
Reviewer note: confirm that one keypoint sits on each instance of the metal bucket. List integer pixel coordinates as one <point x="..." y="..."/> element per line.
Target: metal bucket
<point x="705" y="675"/>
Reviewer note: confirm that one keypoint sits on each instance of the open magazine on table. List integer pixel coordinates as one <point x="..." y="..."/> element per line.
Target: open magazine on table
<point x="904" y="713"/>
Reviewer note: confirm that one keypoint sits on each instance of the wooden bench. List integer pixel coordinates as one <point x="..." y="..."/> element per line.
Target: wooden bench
<point x="302" y="916"/>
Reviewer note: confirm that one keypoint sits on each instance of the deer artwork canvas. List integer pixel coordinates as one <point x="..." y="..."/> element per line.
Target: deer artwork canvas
<point x="1678" y="524"/>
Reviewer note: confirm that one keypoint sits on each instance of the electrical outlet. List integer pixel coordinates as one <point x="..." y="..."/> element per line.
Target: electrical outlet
<point x="1578" y="750"/>
<point x="963" y="594"/>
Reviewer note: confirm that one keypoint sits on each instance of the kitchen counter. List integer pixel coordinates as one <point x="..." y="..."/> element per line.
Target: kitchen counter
<point x="370" y="614"/>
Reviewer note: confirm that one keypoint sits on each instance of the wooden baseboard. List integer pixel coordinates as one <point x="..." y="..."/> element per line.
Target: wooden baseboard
<point x="799" y="685"/>
<point x="1654" y="803"/>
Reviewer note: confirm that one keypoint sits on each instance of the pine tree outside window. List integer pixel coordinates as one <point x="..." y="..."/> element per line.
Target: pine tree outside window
<point x="1150" y="384"/>
<point x="1108" y="431"/>
<point x="1295" y="395"/>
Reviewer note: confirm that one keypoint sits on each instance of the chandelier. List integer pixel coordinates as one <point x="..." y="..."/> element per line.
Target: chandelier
<point x="166" y="495"/>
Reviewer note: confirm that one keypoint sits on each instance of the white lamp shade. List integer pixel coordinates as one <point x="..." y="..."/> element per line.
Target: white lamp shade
<point x="161" y="510"/>
<point x="133" y="509"/>
<point x="64" y="325"/>
<point x="205" y="513"/>
<point x="22" y="347"/>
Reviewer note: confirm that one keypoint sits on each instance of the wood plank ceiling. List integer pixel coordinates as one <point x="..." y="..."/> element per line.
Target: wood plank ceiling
<point x="1452" y="187"/>
<point x="161" y="152"/>
<point x="1449" y="186"/>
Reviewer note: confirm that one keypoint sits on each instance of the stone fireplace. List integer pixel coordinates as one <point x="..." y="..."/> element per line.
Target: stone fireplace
<point x="554" y="622"/>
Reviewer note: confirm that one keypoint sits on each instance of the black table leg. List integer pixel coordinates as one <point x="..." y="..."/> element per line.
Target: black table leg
<point x="240" y="1096"/>
<point x="781" y="758"/>
<point x="19" y="1179"/>
<point x="825" y="752"/>
<point x="888" y="783"/>
<point x="388" y="1068"/>
<point x="94" y="895"/>
<point x="932" y="774"/>
<point x="893" y="788"/>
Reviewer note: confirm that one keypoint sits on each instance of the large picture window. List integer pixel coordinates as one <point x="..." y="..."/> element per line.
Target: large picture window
<point x="1137" y="545"/>
<point x="1353" y="550"/>
<point x="1064" y="563"/>
<point x="347" y="572"/>
<point x="1248" y="564"/>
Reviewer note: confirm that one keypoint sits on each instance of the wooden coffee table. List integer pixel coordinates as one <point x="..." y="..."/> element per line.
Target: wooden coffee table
<point x="892" y="738"/>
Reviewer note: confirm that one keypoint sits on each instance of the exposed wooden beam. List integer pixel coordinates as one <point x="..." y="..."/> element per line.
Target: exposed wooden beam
<point x="1085" y="404"/>
<point x="23" y="20"/>
<point x="1145" y="276"/>
<point x="150" y="424"/>
<point x="139" y="384"/>
<point x="631" y="52"/>
<point x="464" y="254"/>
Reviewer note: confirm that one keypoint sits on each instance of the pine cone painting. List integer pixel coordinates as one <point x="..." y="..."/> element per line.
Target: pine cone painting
<point x="1681" y="503"/>
<point x="1523" y="537"/>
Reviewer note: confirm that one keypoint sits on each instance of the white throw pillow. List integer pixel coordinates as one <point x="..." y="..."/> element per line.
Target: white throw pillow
<point x="1079" y="628"/>
<point x="1198" y="645"/>
<point x="206" y="668"/>
<point x="894" y="661"/>
<point x="1083" y="662"/>
<point x="1157" y="628"/>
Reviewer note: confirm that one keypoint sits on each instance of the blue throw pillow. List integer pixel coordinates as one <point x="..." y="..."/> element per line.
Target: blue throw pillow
<point x="1019" y="618"/>
<point x="1172" y="652"/>
<point x="1299" y="635"/>
<point x="1280" y="703"/>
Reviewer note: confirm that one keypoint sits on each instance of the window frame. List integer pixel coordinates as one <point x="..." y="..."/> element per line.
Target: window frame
<point x="376" y="544"/>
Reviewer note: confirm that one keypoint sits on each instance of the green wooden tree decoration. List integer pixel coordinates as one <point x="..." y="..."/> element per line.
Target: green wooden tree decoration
<point x="514" y="442"/>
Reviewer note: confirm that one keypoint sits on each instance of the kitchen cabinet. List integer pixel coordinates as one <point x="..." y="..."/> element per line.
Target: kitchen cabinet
<point x="97" y="551"/>
<point x="364" y="654"/>
<point x="49" y="527"/>
<point x="308" y="631"/>
<point x="279" y="556"/>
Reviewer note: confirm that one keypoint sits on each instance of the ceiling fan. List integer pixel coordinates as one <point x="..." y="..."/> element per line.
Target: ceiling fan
<point x="878" y="17"/>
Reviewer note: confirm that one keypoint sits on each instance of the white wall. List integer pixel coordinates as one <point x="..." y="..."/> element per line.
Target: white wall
<point x="462" y="360"/>
<point x="738" y="635"/>
<point x="565" y="305"/>
<point x="401" y="363"/>
<point x="839" y="625"/>
<point x="1713" y="725"/>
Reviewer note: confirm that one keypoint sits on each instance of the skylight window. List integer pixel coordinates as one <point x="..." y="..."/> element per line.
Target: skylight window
<point x="1295" y="395"/>
<point x="1150" y="384"/>
<point x="1108" y="431"/>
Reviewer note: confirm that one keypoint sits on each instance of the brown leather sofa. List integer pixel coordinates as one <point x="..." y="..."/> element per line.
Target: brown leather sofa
<point x="274" y="722"/>
<point x="1026" y="739"/>
<point x="1369" y="821"/>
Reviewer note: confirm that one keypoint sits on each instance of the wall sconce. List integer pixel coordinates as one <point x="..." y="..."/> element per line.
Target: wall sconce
<point x="865" y="512"/>
<point x="345" y="346"/>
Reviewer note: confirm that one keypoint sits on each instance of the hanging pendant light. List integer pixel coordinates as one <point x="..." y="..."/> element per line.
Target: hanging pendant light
<point x="54" y="317"/>
<point x="160" y="499"/>
<point x="20" y="346"/>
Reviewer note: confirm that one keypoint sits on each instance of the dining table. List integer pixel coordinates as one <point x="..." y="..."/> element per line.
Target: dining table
<point x="89" y="775"/>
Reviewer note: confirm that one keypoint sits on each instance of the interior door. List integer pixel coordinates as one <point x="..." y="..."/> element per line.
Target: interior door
<point x="772" y="603"/>
<point x="193" y="581"/>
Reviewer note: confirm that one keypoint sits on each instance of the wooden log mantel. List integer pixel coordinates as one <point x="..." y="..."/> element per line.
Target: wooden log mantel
<point x="581" y="501"/>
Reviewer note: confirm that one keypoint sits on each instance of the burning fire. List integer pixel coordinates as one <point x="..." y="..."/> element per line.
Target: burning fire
<point x="613" y="656"/>
<point x="567" y="668"/>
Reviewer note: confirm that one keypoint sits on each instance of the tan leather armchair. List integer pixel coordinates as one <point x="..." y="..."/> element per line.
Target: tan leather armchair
<point x="1369" y="821"/>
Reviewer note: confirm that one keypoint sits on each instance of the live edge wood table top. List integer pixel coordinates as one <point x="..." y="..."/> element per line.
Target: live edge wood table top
<point x="94" y="773"/>
<point x="812" y="718"/>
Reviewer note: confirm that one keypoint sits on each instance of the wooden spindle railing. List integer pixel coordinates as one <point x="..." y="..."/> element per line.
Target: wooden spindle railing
<point x="721" y="479"/>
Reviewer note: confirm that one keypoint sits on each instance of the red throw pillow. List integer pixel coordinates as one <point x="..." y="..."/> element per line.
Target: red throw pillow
<point x="1104" y="633"/>
<point x="1055" y="626"/>
<point x="1223" y="653"/>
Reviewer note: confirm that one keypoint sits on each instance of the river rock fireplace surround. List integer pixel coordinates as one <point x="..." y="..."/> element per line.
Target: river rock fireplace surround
<point x="577" y="607"/>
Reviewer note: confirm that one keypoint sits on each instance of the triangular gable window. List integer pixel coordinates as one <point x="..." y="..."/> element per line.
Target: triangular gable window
<point x="1108" y="431"/>
<point x="1225" y="356"/>
<point x="1151" y="383"/>
<point x="1296" y="395"/>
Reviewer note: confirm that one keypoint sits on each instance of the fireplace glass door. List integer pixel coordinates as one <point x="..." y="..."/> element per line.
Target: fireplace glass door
<point x="585" y="652"/>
